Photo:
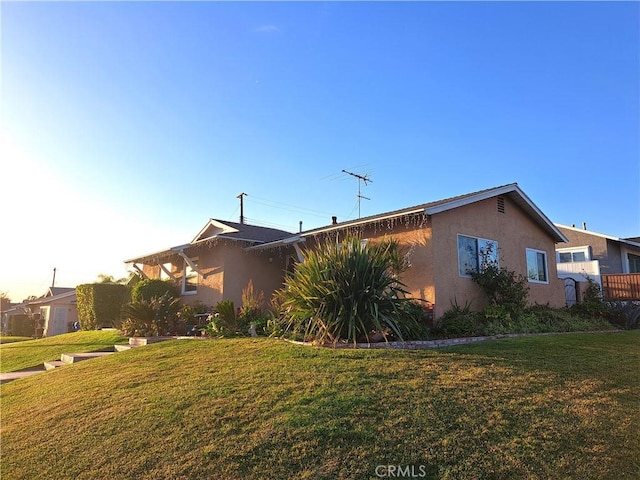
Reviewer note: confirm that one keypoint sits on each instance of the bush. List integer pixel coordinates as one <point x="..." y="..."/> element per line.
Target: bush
<point x="346" y="292"/>
<point x="225" y="321"/>
<point x="153" y="288"/>
<point x="252" y="311"/>
<point x="157" y="316"/>
<point x="458" y="322"/>
<point x="100" y="304"/>
<point x="504" y="288"/>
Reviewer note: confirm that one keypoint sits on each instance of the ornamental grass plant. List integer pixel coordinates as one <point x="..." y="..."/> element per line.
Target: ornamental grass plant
<point x="348" y="291"/>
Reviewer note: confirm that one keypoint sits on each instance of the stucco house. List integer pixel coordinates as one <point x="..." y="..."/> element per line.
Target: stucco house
<point x="444" y="240"/>
<point x="218" y="263"/>
<point x="598" y="256"/>
<point x="56" y="309"/>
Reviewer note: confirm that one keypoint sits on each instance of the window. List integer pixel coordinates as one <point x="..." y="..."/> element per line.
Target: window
<point x="634" y="263"/>
<point x="566" y="255"/>
<point x="537" y="266"/>
<point x="475" y="254"/>
<point x="190" y="279"/>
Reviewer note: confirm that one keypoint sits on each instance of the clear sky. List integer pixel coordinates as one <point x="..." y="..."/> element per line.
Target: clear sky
<point x="126" y="126"/>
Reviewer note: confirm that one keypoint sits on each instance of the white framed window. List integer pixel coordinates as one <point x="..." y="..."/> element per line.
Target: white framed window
<point x="573" y="255"/>
<point x="537" y="271"/>
<point x="190" y="278"/>
<point x="475" y="254"/>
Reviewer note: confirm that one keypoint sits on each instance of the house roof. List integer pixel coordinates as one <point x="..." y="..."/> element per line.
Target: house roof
<point x="62" y="293"/>
<point x="512" y="190"/>
<point x="634" y="242"/>
<point x="215" y="228"/>
<point x="53" y="291"/>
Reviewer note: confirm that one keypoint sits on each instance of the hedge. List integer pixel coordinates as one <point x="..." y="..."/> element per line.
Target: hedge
<point x="100" y="304"/>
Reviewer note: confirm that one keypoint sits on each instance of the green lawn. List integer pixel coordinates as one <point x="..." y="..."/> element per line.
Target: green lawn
<point x="548" y="407"/>
<point x="32" y="353"/>
<point x="12" y="339"/>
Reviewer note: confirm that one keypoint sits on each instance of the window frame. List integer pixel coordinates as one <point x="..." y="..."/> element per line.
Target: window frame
<point x="190" y="273"/>
<point x="478" y="265"/>
<point x="546" y="266"/>
<point x="585" y="250"/>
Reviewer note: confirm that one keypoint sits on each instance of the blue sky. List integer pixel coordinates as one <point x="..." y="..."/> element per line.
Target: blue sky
<point x="126" y="126"/>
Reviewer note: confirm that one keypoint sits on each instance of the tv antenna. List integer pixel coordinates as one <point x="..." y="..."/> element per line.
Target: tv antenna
<point x="361" y="178"/>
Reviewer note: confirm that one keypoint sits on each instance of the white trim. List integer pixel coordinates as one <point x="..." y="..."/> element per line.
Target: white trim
<point x="214" y="223"/>
<point x="602" y="235"/>
<point x="546" y="265"/>
<point x="586" y="249"/>
<point x="190" y="263"/>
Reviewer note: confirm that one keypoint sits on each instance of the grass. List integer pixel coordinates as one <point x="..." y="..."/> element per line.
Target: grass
<point x="32" y="353"/>
<point x="12" y="339"/>
<point x="548" y="407"/>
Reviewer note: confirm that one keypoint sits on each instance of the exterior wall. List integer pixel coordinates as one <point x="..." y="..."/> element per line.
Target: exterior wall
<point x="55" y="316"/>
<point x="265" y="269"/>
<point x="599" y="248"/>
<point x="226" y="270"/>
<point x="413" y="233"/>
<point x="513" y="230"/>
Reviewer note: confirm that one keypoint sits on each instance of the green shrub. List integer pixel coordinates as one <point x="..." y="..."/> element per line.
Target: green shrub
<point x="252" y="311"/>
<point x="345" y="292"/>
<point x="157" y="316"/>
<point x="226" y="321"/>
<point x="21" y="326"/>
<point x="100" y="304"/>
<point x="504" y="288"/>
<point x="153" y="288"/>
<point x="459" y="322"/>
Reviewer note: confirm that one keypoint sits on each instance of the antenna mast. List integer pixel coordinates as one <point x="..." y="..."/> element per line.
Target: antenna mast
<point x="361" y="178"/>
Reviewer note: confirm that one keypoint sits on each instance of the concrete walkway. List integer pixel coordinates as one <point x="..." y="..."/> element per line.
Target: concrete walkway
<point x="71" y="358"/>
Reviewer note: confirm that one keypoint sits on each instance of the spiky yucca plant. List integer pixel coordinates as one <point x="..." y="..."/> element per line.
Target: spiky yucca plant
<point x="347" y="291"/>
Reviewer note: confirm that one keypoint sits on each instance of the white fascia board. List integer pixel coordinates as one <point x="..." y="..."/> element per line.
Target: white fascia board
<point x="155" y="254"/>
<point x="52" y="298"/>
<point x="225" y="229"/>
<point x="504" y="190"/>
<point x="279" y="243"/>
<point x="461" y="202"/>
<point x="601" y="235"/>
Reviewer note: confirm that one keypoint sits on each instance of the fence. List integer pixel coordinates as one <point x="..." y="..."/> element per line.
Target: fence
<point x="625" y="286"/>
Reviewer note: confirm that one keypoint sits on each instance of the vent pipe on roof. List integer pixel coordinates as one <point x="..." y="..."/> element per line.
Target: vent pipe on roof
<point x="334" y="220"/>
<point x="300" y="227"/>
<point x="584" y="225"/>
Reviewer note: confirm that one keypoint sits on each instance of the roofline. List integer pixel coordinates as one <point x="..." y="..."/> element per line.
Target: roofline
<point x="602" y="235"/>
<point x="51" y="298"/>
<point x="363" y="221"/>
<point x="449" y="205"/>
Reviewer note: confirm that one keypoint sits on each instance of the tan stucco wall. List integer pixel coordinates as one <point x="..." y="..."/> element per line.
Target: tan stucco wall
<point x="513" y="230"/>
<point x="226" y="269"/>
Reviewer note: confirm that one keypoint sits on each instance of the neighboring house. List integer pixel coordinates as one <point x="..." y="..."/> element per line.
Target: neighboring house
<point x="444" y="241"/>
<point x="56" y="310"/>
<point x="592" y="255"/>
<point x="217" y="264"/>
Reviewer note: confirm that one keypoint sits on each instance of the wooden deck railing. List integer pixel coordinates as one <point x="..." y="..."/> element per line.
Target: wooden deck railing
<point x="624" y="286"/>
